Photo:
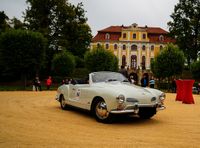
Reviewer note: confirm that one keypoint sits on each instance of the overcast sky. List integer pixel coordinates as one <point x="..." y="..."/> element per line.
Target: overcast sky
<point x="104" y="13"/>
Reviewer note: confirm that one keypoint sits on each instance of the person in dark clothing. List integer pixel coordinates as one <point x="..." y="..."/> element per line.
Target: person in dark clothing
<point x="37" y="84"/>
<point x="123" y="71"/>
<point x="174" y="85"/>
<point x="144" y="81"/>
<point x="198" y="88"/>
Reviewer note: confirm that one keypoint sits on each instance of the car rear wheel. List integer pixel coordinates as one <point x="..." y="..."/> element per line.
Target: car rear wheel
<point x="63" y="105"/>
<point x="147" y="113"/>
<point x="101" y="113"/>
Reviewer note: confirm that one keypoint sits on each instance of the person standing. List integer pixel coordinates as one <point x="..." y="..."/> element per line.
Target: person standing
<point x="144" y="81"/>
<point x="48" y="82"/>
<point x="34" y="84"/>
<point x="37" y="84"/>
<point x="123" y="71"/>
<point x="132" y="81"/>
<point x="174" y="85"/>
<point x="152" y="83"/>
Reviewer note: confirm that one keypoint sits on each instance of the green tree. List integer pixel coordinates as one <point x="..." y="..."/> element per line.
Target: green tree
<point x="22" y="52"/>
<point x="63" y="63"/>
<point x="16" y="24"/>
<point x="100" y="59"/>
<point x="195" y="69"/>
<point x="3" y="21"/>
<point x="169" y="62"/>
<point x="185" y="27"/>
<point x="62" y="23"/>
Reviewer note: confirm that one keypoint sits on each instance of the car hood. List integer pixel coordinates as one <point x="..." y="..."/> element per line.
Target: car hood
<point x="130" y="90"/>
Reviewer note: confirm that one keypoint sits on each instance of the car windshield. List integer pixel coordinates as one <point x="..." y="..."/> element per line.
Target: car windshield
<point x="108" y="76"/>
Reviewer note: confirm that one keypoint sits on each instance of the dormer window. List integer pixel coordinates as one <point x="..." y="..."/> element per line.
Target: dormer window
<point x="107" y="36"/>
<point x="161" y="38"/>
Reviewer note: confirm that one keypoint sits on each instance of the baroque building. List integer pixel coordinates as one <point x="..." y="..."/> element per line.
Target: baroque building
<point x="134" y="46"/>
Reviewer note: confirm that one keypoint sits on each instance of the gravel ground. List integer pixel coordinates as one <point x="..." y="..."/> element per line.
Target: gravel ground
<point x="34" y="119"/>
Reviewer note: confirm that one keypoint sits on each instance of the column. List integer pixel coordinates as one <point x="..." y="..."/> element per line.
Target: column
<point x="128" y="55"/>
<point x="139" y="55"/>
<point x="120" y="54"/>
<point x="148" y="57"/>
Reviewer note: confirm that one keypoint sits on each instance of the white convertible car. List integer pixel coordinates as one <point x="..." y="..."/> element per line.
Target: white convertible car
<point x="108" y="93"/>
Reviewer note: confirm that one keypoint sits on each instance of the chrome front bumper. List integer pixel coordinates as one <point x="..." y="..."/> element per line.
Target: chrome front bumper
<point x="136" y="107"/>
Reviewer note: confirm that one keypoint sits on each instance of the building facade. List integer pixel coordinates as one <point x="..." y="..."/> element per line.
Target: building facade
<point x="134" y="46"/>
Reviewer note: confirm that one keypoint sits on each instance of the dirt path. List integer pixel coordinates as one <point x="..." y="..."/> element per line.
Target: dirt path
<point x="34" y="119"/>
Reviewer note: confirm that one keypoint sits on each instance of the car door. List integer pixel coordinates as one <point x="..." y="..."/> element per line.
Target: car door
<point x="85" y="95"/>
<point x="73" y="94"/>
<point x="78" y="95"/>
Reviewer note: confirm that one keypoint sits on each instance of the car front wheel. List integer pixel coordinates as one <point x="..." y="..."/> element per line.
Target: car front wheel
<point x="101" y="113"/>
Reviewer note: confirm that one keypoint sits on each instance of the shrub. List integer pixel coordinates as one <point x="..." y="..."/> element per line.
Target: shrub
<point x="195" y="69"/>
<point x="168" y="63"/>
<point x="100" y="59"/>
<point x="63" y="64"/>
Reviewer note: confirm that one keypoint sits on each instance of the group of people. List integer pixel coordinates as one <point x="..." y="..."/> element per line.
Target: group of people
<point x="144" y="81"/>
<point x="68" y="81"/>
<point x="37" y="86"/>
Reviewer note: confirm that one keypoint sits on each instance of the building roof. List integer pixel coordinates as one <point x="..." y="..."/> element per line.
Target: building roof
<point x="153" y="30"/>
<point x="101" y="37"/>
<point x="115" y="33"/>
<point x="112" y="29"/>
<point x="156" y="30"/>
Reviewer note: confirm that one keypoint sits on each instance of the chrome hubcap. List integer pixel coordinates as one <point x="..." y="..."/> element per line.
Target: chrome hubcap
<point x="101" y="110"/>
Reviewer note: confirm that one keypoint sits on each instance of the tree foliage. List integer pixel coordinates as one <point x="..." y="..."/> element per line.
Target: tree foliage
<point x="3" y="21"/>
<point x="169" y="62"/>
<point x="21" y="52"/>
<point x="63" y="63"/>
<point x="195" y="69"/>
<point x="100" y="59"/>
<point x="62" y="23"/>
<point x="185" y="27"/>
<point x="6" y="23"/>
<point x="16" y="23"/>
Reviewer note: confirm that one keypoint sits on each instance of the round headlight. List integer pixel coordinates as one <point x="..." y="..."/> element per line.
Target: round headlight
<point x="162" y="96"/>
<point x="121" y="99"/>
